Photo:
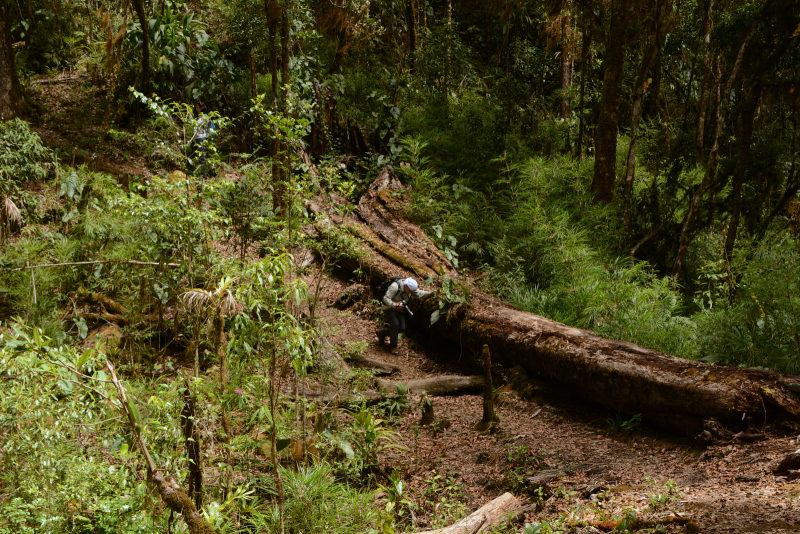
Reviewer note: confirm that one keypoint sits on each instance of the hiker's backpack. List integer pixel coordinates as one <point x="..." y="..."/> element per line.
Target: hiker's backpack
<point x="381" y="290"/>
<point x="212" y="130"/>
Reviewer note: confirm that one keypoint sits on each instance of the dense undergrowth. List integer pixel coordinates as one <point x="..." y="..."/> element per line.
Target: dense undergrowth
<point x="187" y="286"/>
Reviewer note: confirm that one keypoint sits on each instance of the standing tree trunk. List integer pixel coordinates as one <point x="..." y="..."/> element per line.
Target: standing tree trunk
<point x="279" y="200"/>
<point x="218" y="325"/>
<point x="707" y="76"/>
<point x="585" y="66"/>
<point x="138" y="5"/>
<point x="411" y="24"/>
<point x="11" y="104"/>
<point x="711" y="167"/>
<point x="565" y="68"/>
<point x="194" y="479"/>
<point x="651" y="51"/>
<point x="489" y="414"/>
<point x="605" y="162"/>
<point x="748" y="116"/>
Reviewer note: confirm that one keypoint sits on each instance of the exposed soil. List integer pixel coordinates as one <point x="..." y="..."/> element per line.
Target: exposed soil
<point x="724" y="488"/>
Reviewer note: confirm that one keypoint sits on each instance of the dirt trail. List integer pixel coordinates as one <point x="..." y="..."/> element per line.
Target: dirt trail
<point x="725" y="488"/>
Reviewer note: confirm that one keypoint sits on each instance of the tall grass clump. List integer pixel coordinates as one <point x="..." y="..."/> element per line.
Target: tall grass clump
<point x="316" y="502"/>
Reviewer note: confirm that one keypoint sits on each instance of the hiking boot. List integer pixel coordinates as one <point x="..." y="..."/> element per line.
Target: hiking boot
<point x="393" y="349"/>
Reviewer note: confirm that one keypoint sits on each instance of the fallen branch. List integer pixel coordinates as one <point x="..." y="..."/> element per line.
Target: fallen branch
<point x="381" y="367"/>
<point x="124" y="262"/>
<point x="499" y="512"/>
<point x="99" y="317"/>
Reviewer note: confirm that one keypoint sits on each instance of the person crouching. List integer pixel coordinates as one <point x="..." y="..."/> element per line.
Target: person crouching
<point x="394" y="308"/>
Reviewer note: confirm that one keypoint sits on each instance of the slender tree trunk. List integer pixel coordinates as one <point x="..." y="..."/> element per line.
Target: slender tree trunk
<point x="411" y="24"/>
<point x="489" y="414"/>
<point x="711" y="167"/>
<point x="746" y="139"/>
<point x="191" y="437"/>
<point x="448" y="58"/>
<point x="11" y="103"/>
<point x="707" y="76"/>
<point x="219" y="349"/>
<point x="585" y="66"/>
<point x="253" y="83"/>
<point x="279" y="200"/>
<point x="138" y="5"/>
<point x="272" y="392"/>
<point x="640" y="86"/>
<point x="565" y="69"/>
<point x="606" y="154"/>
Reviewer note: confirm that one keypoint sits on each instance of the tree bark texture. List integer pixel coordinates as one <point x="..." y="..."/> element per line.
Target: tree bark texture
<point x="586" y="62"/>
<point x="673" y="394"/>
<point x="607" y="125"/>
<point x="566" y="64"/>
<point x="11" y="104"/>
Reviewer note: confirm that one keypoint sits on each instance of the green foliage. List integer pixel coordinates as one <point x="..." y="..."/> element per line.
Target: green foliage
<point x="58" y="434"/>
<point x="315" y="502"/>
<point x="757" y="325"/>
<point x="444" y="499"/>
<point x="23" y="157"/>
<point x="619" y="423"/>
<point x="189" y="61"/>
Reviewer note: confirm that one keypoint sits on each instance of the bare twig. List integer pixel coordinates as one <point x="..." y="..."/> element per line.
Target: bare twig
<point x="127" y="262"/>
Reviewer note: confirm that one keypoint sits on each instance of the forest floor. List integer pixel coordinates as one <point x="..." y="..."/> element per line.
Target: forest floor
<point x="607" y="464"/>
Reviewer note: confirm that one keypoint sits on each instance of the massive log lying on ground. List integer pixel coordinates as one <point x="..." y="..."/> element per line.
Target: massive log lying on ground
<point x="674" y="394"/>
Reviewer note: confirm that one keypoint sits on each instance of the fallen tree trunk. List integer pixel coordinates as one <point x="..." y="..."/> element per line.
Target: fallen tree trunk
<point x="499" y="512"/>
<point x="673" y="394"/>
<point x="437" y="386"/>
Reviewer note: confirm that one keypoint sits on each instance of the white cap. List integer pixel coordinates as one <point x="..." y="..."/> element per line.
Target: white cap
<point x="411" y="284"/>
